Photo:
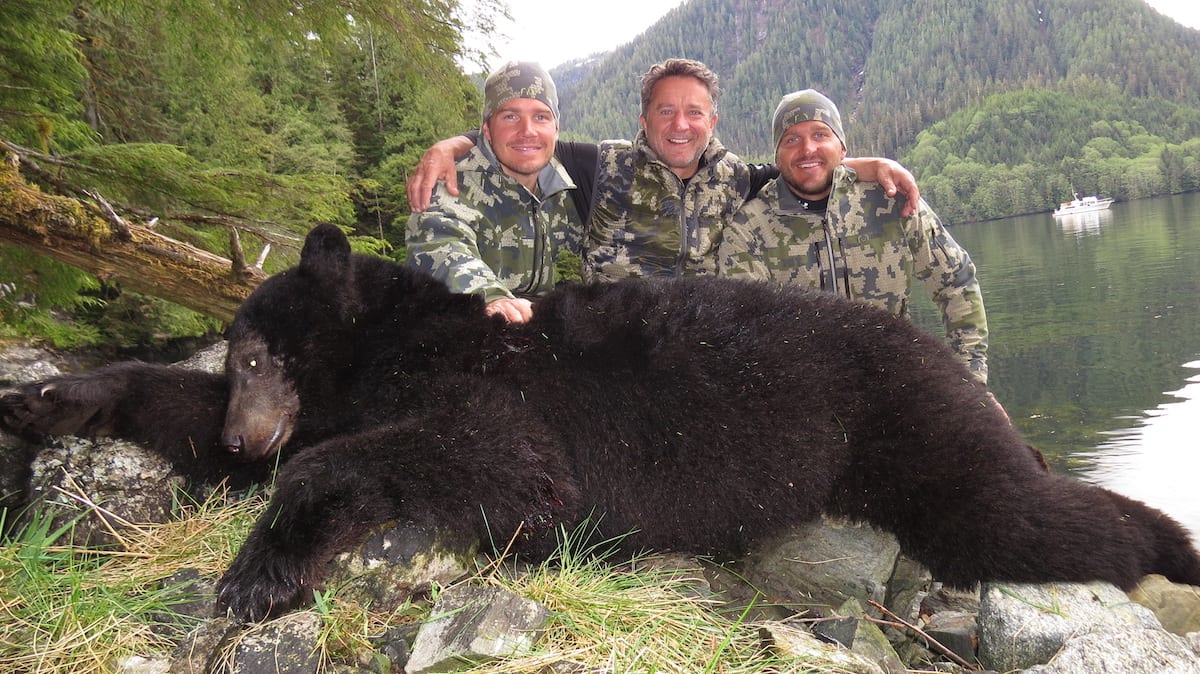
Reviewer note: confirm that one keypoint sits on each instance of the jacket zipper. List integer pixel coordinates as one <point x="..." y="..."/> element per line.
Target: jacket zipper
<point x="539" y="248"/>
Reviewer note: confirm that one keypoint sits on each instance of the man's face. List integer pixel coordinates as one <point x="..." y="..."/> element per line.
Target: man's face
<point x="522" y="132"/>
<point x="807" y="154"/>
<point x="679" y="123"/>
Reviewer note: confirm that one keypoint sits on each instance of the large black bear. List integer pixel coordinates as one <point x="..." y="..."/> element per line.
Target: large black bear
<point x="704" y="414"/>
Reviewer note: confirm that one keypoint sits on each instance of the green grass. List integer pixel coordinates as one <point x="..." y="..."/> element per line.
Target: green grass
<point x="70" y="610"/>
<point x="73" y="610"/>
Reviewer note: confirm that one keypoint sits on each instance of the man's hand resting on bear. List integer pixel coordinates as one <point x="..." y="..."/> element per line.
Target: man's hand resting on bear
<point x="513" y="309"/>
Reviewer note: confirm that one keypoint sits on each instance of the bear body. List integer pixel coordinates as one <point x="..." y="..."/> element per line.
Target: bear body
<point x="702" y="414"/>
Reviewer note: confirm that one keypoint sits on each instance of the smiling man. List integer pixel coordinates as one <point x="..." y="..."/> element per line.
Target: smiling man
<point x="501" y="234"/>
<point x="818" y="225"/>
<point x="662" y="200"/>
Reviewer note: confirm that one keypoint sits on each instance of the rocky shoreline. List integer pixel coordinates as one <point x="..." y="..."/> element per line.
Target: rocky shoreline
<point x="839" y="590"/>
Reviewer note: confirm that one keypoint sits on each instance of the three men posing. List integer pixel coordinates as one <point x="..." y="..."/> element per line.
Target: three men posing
<point x="675" y="202"/>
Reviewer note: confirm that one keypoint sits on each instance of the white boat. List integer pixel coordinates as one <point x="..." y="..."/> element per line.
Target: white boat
<point x="1083" y="205"/>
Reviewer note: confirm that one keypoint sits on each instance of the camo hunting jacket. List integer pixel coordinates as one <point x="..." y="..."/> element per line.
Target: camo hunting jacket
<point x="862" y="249"/>
<point x="495" y="238"/>
<point x="646" y="221"/>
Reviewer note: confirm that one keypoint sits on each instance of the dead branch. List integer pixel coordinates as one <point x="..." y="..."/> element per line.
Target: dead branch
<point x="75" y="231"/>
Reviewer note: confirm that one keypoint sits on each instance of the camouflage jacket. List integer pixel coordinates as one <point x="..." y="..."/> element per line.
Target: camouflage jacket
<point x="646" y="221"/>
<point x="860" y="248"/>
<point x="495" y="238"/>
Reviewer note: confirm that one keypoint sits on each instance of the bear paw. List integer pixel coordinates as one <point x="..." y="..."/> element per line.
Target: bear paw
<point x="254" y="590"/>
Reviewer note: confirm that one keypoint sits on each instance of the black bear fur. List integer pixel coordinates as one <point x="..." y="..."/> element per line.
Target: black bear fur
<point x="704" y="414"/>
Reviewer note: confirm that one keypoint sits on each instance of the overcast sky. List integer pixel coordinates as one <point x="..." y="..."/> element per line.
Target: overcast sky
<point x="552" y="33"/>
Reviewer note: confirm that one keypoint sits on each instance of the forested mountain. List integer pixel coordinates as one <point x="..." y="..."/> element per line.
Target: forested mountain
<point x="1003" y="87"/>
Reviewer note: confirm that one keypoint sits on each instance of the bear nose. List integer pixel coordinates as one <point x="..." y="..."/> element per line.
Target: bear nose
<point x="235" y="444"/>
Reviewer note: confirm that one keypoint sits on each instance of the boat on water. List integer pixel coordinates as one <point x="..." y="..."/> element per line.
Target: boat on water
<point x="1083" y="205"/>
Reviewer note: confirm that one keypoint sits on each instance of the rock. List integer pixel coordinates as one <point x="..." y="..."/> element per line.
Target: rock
<point x="950" y="599"/>
<point x="788" y="640"/>
<point x="907" y="588"/>
<point x="821" y="564"/>
<point x="1124" y="650"/>
<point x="393" y="645"/>
<point x="869" y="641"/>
<point x="1022" y="626"/>
<point x="1176" y="606"/>
<point x="397" y="562"/>
<point x="25" y="365"/>
<point x="286" y="645"/>
<point x="102" y="484"/>
<point x="136" y="664"/>
<point x="194" y="599"/>
<point x="474" y="624"/>
<point x="841" y="631"/>
<point x="209" y="359"/>
<point x="958" y="632"/>
<point x="199" y="651"/>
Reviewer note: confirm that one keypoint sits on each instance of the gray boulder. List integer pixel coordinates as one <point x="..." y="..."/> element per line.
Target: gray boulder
<point x="1022" y="626"/>
<point x="474" y="624"/>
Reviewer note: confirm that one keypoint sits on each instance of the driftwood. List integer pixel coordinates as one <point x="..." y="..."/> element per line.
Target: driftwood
<point x="91" y="236"/>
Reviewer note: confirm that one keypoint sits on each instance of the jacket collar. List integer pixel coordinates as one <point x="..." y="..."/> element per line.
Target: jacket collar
<point x="787" y="202"/>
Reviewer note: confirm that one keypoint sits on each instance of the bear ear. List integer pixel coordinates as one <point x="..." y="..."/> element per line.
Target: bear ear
<point x="326" y="252"/>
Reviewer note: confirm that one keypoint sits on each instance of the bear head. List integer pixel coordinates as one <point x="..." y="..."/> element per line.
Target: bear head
<point x="287" y="344"/>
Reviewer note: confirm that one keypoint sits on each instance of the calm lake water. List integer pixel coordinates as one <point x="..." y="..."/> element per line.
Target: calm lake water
<point x="1095" y="342"/>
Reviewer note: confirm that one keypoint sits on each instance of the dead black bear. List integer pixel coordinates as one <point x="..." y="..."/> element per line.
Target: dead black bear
<point x="704" y="414"/>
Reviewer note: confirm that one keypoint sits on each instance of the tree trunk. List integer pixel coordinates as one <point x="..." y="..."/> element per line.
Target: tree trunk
<point x="71" y="231"/>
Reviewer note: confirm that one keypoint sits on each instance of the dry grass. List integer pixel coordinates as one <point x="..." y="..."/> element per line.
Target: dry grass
<point x="72" y="611"/>
<point x="635" y="617"/>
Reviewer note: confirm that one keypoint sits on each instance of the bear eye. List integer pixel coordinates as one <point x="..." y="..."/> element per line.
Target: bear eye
<point x="253" y="363"/>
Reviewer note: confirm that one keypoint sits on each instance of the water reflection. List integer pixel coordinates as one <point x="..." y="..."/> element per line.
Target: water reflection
<point x="1090" y="322"/>
<point x="1083" y="224"/>
<point x="1155" y="460"/>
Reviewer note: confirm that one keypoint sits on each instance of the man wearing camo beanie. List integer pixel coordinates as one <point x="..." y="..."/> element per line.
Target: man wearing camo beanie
<point x="519" y="79"/>
<point x="513" y="216"/>
<point x="817" y="225"/>
<point x="803" y="106"/>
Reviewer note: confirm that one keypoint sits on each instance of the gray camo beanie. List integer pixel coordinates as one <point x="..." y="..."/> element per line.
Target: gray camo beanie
<point x="519" y="79"/>
<point x="804" y="106"/>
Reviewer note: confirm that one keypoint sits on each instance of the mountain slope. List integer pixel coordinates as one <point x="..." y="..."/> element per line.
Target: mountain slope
<point x="894" y="66"/>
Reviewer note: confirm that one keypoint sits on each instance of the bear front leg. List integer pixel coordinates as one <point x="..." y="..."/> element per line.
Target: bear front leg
<point x="326" y="499"/>
<point x="279" y="565"/>
<point x="137" y="401"/>
<point x="330" y="496"/>
<point x="176" y="411"/>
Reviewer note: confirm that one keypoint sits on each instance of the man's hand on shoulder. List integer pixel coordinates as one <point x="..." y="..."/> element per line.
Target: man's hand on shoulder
<point x="436" y="164"/>
<point x="891" y="176"/>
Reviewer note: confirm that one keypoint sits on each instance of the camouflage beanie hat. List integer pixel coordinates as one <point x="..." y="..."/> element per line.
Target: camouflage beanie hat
<point x="804" y="106"/>
<point x="519" y="79"/>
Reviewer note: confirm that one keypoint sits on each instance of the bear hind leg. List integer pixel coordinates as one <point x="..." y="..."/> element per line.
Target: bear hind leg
<point x="1047" y="529"/>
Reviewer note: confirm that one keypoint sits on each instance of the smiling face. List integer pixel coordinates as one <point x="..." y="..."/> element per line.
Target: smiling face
<point x="679" y="123"/>
<point x="522" y="132"/>
<point x="808" y="153"/>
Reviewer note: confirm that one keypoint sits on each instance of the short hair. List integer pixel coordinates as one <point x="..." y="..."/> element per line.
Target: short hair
<point x="679" y="68"/>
